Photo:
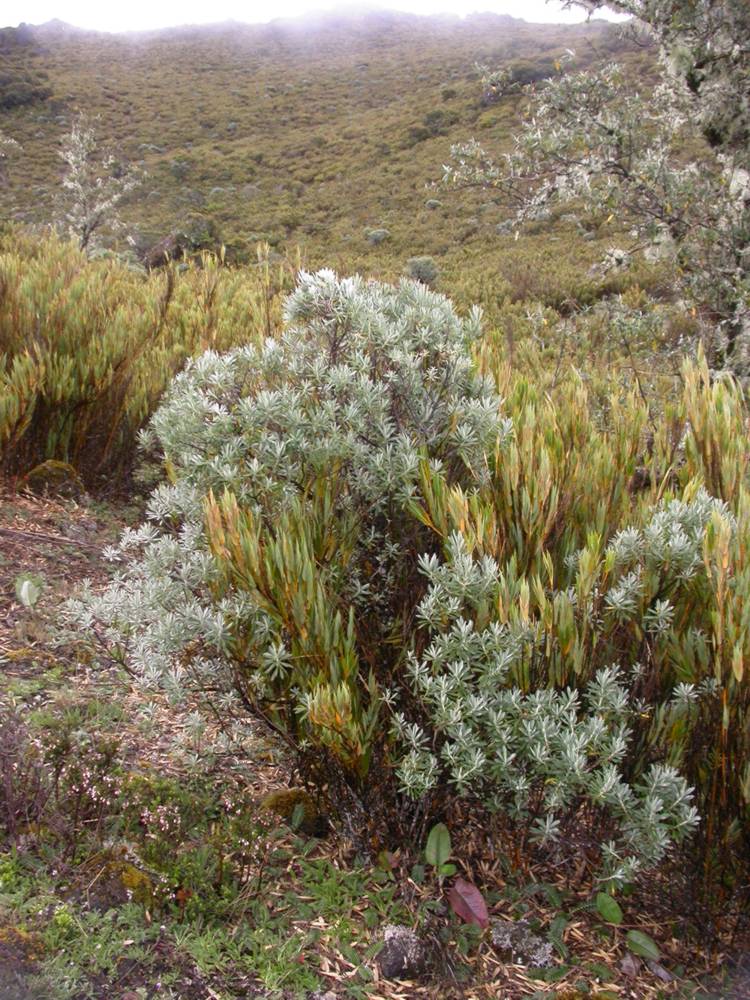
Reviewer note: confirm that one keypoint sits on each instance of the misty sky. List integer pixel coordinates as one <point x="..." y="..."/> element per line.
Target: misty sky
<point x="143" y="14"/>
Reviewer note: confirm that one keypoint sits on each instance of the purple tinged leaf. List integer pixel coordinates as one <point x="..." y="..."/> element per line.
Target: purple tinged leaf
<point x="468" y="903"/>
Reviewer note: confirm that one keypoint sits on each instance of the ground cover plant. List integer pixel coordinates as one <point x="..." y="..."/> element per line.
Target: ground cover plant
<point x="152" y="868"/>
<point x="338" y="611"/>
<point x="128" y="864"/>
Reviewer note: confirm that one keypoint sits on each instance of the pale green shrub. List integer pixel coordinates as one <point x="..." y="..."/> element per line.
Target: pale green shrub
<point x="555" y="761"/>
<point x="422" y="269"/>
<point x="377" y="236"/>
<point x="312" y="442"/>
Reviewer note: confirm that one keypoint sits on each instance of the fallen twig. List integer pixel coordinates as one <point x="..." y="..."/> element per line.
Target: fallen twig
<point x="44" y="537"/>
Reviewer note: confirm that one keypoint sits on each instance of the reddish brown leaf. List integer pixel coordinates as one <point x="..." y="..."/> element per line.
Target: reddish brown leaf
<point x="182" y="895"/>
<point x="468" y="903"/>
<point x="630" y="965"/>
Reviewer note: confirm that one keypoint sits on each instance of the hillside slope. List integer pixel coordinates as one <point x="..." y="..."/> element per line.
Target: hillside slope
<point x="303" y="133"/>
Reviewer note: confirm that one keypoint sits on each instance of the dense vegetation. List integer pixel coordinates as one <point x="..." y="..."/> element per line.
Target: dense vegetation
<point x="301" y="134"/>
<point x="88" y="348"/>
<point x="476" y="583"/>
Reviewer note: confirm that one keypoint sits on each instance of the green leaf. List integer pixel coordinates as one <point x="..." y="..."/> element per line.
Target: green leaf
<point x="438" y="848"/>
<point x="545" y="975"/>
<point x="298" y="816"/>
<point x="449" y="869"/>
<point x="642" y="945"/>
<point x="373" y="950"/>
<point x="599" y="971"/>
<point x="552" y="895"/>
<point x="556" y="929"/>
<point x="349" y="953"/>
<point x="609" y="908"/>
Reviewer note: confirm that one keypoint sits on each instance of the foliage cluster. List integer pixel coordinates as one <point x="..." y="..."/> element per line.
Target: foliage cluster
<point x="16" y="91"/>
<point x="594" y="138"/>
<point x="705" y="47"/>
<point x="580" y="633"/>
<point x="446" y="569"/>
<point x="294" y="461"/>
<point x="23" y="78"/>
<point x="93" y="185"/>
<point x="88" y="347"/>
<point x="592" y="565"/>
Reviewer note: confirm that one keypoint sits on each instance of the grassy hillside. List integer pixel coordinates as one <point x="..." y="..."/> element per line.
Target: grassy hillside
<point x="303" y="133"/>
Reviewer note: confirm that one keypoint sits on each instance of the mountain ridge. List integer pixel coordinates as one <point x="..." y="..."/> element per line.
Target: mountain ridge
<point x="339" y="13"/>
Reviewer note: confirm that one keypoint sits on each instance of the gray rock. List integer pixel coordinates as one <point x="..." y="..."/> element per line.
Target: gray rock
<point x="517" y="943"/>
<point x="403" y="955"/>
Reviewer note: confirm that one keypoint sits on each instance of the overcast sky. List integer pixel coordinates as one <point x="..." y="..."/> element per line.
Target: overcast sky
<point x="134" y="15"/>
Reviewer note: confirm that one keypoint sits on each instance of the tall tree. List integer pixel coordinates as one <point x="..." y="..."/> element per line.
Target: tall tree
<point x="595" y="138"/>
<point x="94" y="184"/>
<point x="706" y="46"/>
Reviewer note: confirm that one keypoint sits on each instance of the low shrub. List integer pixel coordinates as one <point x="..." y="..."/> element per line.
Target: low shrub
<point x="280" y="560"/>
<point x="545" y="593"/>
<point x="377" y="236"/>
<point x="423" y="269"/>
<point x="554" y="759"/>
<point x="26" y="783"/>
<point x="596" y="546"/>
